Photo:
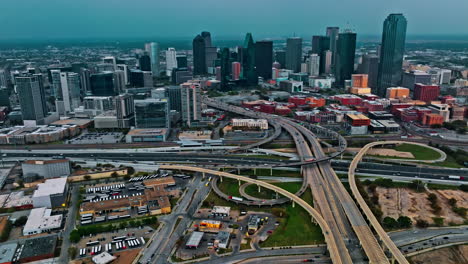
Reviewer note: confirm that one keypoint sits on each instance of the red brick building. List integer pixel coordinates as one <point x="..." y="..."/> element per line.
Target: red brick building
<point x="426" y="93"/>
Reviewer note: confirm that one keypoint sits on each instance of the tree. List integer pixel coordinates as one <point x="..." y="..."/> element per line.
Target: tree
<point x="404" y="222"/>
<point x="438" y="221"/>
<point x="75" y="236"/>
<point x="130" y="170"/>
<point x="72" y="252"/>
<point x="464" y="187"/>
<point x="87" y="177"/>
<point x="114" y="175"/>
<point x="432" y="197"/>
<point x="422" y="223"/>
<point x="21" y="221"/>
<point x="389" y="222"/>
<point x="452" y="202"/>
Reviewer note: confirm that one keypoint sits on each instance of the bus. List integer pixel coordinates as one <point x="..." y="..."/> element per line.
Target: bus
<point x="92" y="243"/>
<point x="120" y="238"/>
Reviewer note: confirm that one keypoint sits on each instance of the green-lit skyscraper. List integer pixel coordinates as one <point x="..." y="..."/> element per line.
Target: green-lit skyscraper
<point x="248" y="63"/>
<point x="391" y="53"/>
<point x="345" y="53"/>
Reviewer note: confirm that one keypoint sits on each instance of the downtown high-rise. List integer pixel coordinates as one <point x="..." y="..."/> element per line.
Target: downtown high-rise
<point x="294" y="54"/>
<point x="391" y="53"/>
<point x="199" y="55"/>
<point x="345" y="54"/>
<point x="264" y="58"/>
<point x="248" y="61"/>
<point x="32" y="99"/>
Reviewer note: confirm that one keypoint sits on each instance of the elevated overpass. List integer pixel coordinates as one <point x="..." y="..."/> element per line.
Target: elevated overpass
<point x="335" y="254"/>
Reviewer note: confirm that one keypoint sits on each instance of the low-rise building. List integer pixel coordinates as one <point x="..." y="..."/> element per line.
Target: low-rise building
<point x="390" y="126"/>
<point x="40" y="220"/>
<point x="38" y="248"/>
<point x="222" y="240"/>
<point x="103" y="258"/>
<point x="7" y="253"/>
<point x="147" y="135"/>
<point x="209" y="225"/>
<point x="221" y="210"/>
<point x="250" y="123"/>
<point x="46" y="168"/>
<point x="21" y="135"/>
<point x="52" y="193"/>
<point x="253" y="224"/>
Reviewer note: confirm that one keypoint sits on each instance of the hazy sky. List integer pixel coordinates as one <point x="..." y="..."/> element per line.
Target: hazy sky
<point x="56" y="19"/>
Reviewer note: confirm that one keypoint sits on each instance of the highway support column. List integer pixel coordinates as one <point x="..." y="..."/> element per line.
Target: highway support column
<point x="258" y="188"/>
<point x="203" y="175"/>
<point x="221" y="178"/>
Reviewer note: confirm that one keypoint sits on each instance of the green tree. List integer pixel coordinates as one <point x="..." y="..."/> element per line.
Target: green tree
<point x="464" y="187"/>
<point x="21" y="221"/>
<point x="75" y="236"/>
<point x="87" y="177"/>
<point x="438" y="221"/>
<point x="130" y="170"/>
<point x="404" y="222"/>
<point x="114" y="175"/>
<point x="389" y="222"/>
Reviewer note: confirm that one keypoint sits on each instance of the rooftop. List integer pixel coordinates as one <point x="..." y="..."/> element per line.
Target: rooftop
<point x="39" y="246"/>
<point x="77" y="122"/>
<point x="152" y="131"/>
<point x="357" y="116"/>
<point x="41" y="218"/>
<point x="103" y="258"/>
<point x="7" y="251"/>
<point x="195" y="239"/>
<point x="42" y="162"/>
<point x="51" y="186"/>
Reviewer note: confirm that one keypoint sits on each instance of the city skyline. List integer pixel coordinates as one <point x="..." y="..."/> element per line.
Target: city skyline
<point x="181" y="19"/>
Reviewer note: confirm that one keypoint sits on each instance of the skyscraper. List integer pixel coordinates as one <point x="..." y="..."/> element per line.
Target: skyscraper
<point x="320" y="44"/>
<point x="171" y="60"/>
<point x="280" y="57"/>
<point x="370" y="66"/>
<point x="199" y="53"/>
<point x="332" y="34"/>
<point x="70" y="93"/>
<point x="345" y="53"/>
<point x="327" y="59"/>
<point x="102" y="84"/>
<point x="56" y="89"/>
<point x="173" y="93"/>
<point x="125" y="109"/>
<point x="248" y="63"/>
<point x="236" y="70"/>
<point x="225" y="68"/>
<point x="181" y="61"/>
<point x="152" y="113"/>
<point x="5" y="97"/>
<point x="314" y="65"/>
<point x="191" y="103"/>
<point x="207" y="38"/>
<point x="391" y="52"/>
<point x="264" y="58"/>
<point x="145" y="62"/>
<point x="294" y="54"/>
<point x="31" y="99"/>
<point x="153" y="50"/>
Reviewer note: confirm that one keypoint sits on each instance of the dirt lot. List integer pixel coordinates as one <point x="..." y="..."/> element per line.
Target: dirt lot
<point x="452" y="255"/>
<point x="386" y="152"/>
<point x="400" y="201"/>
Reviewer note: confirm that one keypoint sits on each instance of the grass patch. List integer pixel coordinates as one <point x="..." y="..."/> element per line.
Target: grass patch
<point x="265" y="193"/>
<point x="268" y="172"/>
<point x="295" y="229"/>
<point x="449" y="162"/>
<point x="419" y="152"/>
<point x="229" y="186"/>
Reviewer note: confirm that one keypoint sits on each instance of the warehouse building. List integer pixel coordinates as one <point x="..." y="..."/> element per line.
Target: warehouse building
<point x="46" y="168"/>
<point x="38" y="248"/>
<point x="40" y="220"/>
<point x="52" y="193"/>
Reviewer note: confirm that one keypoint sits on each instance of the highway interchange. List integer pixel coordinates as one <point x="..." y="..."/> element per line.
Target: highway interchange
<point x="344" y="226"/>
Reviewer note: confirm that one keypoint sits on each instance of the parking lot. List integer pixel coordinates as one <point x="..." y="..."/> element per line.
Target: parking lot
<point x="115" y="241"/>
<point x="97" y="138"/>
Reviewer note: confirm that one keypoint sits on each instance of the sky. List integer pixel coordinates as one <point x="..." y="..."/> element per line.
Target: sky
<point x="106" y="19"/>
